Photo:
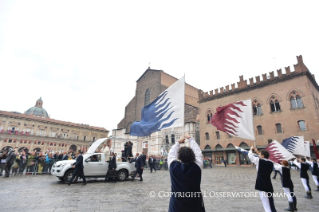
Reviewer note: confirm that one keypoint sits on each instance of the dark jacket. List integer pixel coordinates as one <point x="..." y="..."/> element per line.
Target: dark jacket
<point x="112" y="163"/>
<point x="263" y="181"/>
<point x="79" y="162"/>
<point x="143" y="159"/>
<point x="150" y="161"/>
<point x="138" y="162"/>
<point x="65" y="157"/>
<point x="186" y="178"/>
<point x="10" y="159"/>
<point x="128" y="152"/>
<point x="303" y="170"/>
<point x="286" y="178"/>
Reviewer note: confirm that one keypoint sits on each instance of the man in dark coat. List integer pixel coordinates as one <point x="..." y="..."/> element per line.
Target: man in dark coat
<point x="128" y="152"/>
<point x="112" y="169"/>
<point x="9" y="161"/>
<point x="151" y="162"/>
<point x="139" y="164"/>
<point x="186" y="177"/>
<point x="78" y="165"/>
<point x="304" y="167"/>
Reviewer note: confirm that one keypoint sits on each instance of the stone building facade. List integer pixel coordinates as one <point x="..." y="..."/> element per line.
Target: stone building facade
<point x="151" y="84"/>
<point x="36" y="130"/>
<point x="284" y="105"/>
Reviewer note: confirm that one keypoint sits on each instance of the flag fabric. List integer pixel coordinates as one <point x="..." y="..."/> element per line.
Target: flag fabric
<point x="294" y="144"/>
<point x="315" y="148"/>
<point x="166" y="111"/>
<point x="278" y="153"/>
<point x="235" y="119"/>
<point x="243" y="151"/>
<point x="307" y="149"/>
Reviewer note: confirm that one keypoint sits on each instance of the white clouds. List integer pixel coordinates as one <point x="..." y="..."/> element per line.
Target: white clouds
<point x="84" y="57"/>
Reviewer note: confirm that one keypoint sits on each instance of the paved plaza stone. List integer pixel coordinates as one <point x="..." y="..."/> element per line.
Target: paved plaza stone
<point x="46" y="193"/>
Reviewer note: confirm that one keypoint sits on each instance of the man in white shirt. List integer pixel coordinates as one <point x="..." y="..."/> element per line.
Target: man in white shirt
<point x="263" y="182"/>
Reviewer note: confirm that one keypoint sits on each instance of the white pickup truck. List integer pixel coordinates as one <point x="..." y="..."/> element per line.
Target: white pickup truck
<point x="63" y="169"/>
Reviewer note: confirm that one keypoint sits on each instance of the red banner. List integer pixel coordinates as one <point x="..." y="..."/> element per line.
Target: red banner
<point x="315" y="148"/>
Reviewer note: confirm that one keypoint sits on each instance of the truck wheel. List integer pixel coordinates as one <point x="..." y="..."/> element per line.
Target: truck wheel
<point x="68" y="175"/>
<point x="61" y="178"/>
<point x="121" y="175"/>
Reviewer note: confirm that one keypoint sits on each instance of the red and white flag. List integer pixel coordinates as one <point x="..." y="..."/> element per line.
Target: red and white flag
<point x="315" y="149"/>
<point x="277" y="152"/>
<point x="235" y="119"/>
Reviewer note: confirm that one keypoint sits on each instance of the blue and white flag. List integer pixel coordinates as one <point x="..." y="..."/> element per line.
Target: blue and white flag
<point x="166" y="111"/>
<point x="294" y="145"/>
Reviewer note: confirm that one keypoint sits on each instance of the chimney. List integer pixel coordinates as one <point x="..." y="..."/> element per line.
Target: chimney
<point x="216" y="91"/>
<point x="221" y="90"/>
<point x="227" y="88"/>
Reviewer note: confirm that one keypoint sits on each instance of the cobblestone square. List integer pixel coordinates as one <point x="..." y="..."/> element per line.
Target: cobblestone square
<point x="47" y="193"/>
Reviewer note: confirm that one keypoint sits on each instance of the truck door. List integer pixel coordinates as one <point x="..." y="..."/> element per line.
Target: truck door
<point x="94" y="166"/>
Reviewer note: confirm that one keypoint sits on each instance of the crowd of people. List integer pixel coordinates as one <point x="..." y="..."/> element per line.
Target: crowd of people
<point x="29" y="163"/>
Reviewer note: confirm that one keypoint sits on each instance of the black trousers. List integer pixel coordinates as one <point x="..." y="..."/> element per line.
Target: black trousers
<point x="276" y="173"/>
<point x="139" y="172"/>
<point x="7" y="169"/>
<point x="78" y="171"/>
<point x="152" y="166"/>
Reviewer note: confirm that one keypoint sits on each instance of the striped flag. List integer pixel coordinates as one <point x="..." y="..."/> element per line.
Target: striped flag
<point x="277" y="152"/>
<point x="166" y="111"/>
<point x="294" y="145"/>
<point x="235" y="119"/>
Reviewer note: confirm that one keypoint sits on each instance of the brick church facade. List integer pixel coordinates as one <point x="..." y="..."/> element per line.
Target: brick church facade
<point x="151" y="84"/>
<point x="283" y="105"/>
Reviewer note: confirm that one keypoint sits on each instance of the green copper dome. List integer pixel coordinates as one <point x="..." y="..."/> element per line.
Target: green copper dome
<point x="38" y="110"/>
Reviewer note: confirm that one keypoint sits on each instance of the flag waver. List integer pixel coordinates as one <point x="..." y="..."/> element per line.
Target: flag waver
<point x="166" y="111"/>
<point x="235" y="119"/>
<point x="277" y="152"/>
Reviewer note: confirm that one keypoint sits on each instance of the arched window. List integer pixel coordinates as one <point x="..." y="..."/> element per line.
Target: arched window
<point x="173" y="139"/>
<point x="166" y="139"/>
<point x="259" y="130"/>
<point x="207" y="136"/>
<point x="209" y="115"/>
<point x="218" y="146"/>
<point x="207" y="147"/>
<point x="274" y="104"/>
<point x="278" y="128"/>
<point x="147" y="97"/>
<point x="243" y="144"/>
<point x="230" y="146"/>
<point x="295" y="100"/>
<point x="256" y="108"/>
<point x="302" y="125"/>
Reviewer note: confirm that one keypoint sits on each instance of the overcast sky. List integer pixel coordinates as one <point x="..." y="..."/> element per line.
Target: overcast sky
<point x="84" y="57"/>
